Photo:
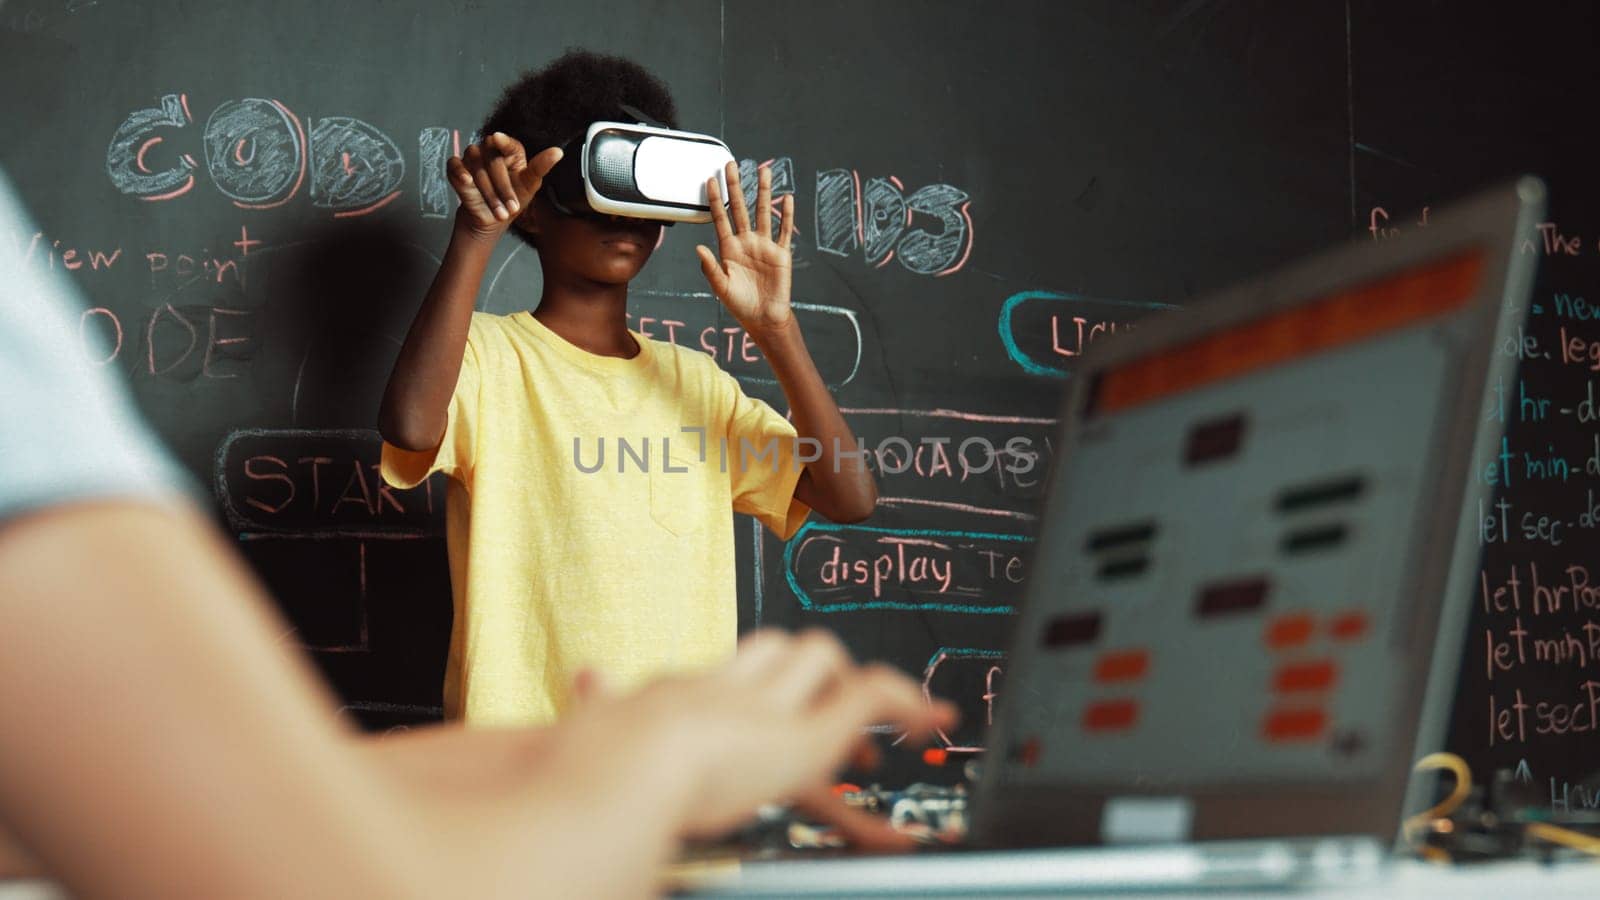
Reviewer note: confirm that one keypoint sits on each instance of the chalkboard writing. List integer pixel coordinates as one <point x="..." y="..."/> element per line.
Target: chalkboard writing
<point x="1529" y="692"/>
<point x="318" y="483"/>
<point x="254" y="204"/>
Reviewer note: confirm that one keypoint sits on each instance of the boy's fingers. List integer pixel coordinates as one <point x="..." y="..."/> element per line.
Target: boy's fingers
<point x="511" y="149"/>
<point x="719" y="215"/>
<point x="490" y="198"/>
<point x="460" y="178"/>
<point x="541" y="164"/>
<point x="530" y="176"/>
<point x="500" y="176"/>
<point x="786" y="231"/>
<point x="764" y="202"/>
<point x="741" y="216"/>
<point x="712" y="269"/>
<point x="485" y="188"/>
<point x="472" y="158"/>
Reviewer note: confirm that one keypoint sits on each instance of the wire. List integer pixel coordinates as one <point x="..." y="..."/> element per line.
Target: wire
<point x="1440" y="811"/>
<point x="1438" y="815"/>
<point x="1566" y="837"/>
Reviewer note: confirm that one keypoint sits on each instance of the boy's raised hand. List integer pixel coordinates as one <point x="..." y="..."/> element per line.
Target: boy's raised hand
<point x="496" y="180"/>
<point x="752" y="278"/>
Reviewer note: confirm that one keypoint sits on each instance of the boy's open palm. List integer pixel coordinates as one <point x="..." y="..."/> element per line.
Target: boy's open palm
<point x="496" y="180"/>
<point x="753" y="276"/>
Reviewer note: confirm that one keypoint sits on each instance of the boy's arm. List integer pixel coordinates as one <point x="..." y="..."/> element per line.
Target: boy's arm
<point x="838" y="484"/>
<point x="753" y="281"/>
<point x="495" y="183"/>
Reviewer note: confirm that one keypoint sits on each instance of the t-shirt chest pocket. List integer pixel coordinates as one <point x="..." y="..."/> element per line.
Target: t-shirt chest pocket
<point x="680" y="492"/>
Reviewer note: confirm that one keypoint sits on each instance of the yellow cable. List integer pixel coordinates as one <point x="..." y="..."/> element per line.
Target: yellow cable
<point x="1566" y="837"/>
<point x="1441" y="810"/>
<point x="1457" y="766"/>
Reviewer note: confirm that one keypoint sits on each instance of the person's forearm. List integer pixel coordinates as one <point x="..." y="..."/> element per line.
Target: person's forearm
<point x="150" y="686"/>
<point x="838" y="485"/>
<point x="417" y="398"/>
<point x="453" y="760"/>
<point x="16" y="861"/>
<point x="578" y="804"/>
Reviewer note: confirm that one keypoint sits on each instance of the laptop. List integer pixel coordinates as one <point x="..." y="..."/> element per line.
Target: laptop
<point x="1245" y="614"/>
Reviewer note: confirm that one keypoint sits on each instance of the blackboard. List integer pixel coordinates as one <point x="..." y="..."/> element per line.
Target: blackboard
<point x="982" y="189"/>
<point x="1446" y="97"/>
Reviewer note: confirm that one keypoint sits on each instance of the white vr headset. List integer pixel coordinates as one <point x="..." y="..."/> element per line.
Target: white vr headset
<point x="641" y="171"/>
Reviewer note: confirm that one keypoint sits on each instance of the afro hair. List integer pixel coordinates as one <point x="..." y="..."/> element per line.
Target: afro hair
<point x="549" y="106"/>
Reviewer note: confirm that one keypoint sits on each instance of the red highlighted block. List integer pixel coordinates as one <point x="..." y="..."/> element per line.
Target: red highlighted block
<point x="1111" y="715"/>
<point x="1122" y="665"/>
<point x="1289" y="631"/>
<point x="1283" y="725"/>
<point x="935" y="756"/>
<point x="1349" y="626"/>
<point x="1318" y="675"/>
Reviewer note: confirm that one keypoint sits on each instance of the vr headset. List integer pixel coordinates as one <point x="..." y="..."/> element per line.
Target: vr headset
<point x="638" y="169"/>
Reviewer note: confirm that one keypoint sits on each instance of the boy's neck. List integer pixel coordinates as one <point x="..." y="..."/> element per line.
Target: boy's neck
<point x="592" y="320"/>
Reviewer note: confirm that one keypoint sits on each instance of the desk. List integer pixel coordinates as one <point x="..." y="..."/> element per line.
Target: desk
<point x="981" y="876"/>
<point x="1404" y="880"/>
<point x="1478" y="882"/>
<point x="31" y="889"/>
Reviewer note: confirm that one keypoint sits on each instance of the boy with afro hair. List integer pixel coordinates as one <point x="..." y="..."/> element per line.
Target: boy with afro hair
<point x="558" y="567"/>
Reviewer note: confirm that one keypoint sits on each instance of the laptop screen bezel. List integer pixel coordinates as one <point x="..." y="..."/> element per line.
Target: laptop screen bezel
<point x="1031" y="813"/>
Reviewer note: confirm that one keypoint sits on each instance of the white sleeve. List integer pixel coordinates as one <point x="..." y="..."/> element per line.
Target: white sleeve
<point x="68" y="430"/>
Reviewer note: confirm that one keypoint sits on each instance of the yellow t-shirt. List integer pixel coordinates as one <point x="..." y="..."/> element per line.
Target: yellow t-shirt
<point x="557" y="565"/>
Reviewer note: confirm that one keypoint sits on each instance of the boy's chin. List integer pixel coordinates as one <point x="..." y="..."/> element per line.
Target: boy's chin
<point x="616" y="272"/>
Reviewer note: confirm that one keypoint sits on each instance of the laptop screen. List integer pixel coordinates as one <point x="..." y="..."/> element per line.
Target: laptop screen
<point x="1240" y="513"/>
<point x="1237" y="588"/>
